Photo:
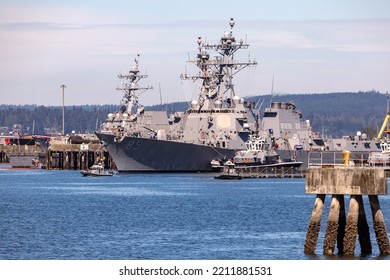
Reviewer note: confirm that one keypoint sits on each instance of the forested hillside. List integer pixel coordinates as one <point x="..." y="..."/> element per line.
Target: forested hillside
<point x="334" y="114"/>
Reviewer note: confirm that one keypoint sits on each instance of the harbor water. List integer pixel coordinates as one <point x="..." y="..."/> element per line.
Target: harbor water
<point x="61" y="215"/>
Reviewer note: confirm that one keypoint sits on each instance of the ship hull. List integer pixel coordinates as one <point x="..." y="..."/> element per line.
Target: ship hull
<point x="133" y="154"/>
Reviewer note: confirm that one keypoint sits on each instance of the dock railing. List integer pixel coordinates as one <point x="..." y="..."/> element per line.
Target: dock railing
<point x="270" y="172"/>
<point x="335" y="158"/>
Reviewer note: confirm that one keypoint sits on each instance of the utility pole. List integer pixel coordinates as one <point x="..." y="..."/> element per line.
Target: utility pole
<point x="63" y="109"/>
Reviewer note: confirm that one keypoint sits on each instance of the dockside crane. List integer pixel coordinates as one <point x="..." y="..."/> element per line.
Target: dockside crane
<point x="384" y="125"/>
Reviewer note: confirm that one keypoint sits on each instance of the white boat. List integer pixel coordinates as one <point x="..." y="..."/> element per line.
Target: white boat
<point x="97" y="170"/>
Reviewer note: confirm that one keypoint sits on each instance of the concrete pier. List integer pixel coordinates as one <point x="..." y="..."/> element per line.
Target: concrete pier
<point x="342" y="230"/>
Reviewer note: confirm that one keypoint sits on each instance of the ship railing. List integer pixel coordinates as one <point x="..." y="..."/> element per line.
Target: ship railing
<point x="335" y="158"/>
<point x="379" y="162"/>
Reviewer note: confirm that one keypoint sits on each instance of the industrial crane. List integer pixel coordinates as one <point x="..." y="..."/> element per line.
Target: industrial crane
<point x="386" y="120"/>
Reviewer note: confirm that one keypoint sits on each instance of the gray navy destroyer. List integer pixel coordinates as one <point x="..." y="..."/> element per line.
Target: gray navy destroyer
<point x="214" y="127"/>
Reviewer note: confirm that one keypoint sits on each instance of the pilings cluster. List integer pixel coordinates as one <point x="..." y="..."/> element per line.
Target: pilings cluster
<point x="77" y="156"/>
<point x="343" y="229"/>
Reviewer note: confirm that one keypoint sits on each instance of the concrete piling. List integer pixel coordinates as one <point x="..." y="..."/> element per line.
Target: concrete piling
<point x="363" y="228"/>
<point x="342" y="224"/>
<point x="379" y="226"/>
<point x="342" y="230"/>
<point x="332" y="226"/>
<point x="314" y="225"/>
<point x="351" y="227"/>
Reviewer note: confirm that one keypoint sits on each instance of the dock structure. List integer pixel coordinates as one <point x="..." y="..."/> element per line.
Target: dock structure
<point x="343" y="229"/>
<point x="259" y="171"/>
<point x="22" y="150"/>
<point x="76" y="156"/>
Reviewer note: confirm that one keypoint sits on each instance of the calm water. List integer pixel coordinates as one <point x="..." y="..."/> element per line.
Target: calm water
<point x="62" y="215"/>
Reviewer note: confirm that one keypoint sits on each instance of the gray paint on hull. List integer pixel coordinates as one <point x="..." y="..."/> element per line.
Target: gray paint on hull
<point x="133" y="154"/>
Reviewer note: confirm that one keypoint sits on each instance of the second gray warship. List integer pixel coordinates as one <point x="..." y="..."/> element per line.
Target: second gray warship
<point x="213" y="128"/>
<point x="293" y="137"/>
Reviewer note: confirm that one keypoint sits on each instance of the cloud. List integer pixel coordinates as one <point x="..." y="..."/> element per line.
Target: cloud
<point x="87" y="56"/>
<point x="339" y="35"/>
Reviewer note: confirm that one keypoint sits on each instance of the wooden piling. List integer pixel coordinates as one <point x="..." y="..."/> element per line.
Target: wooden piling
<point x="76" y="156"/>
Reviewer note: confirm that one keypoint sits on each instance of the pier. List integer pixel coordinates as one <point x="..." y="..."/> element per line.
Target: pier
<point x="62" y="154"/>
<point x="77" y="156"/>
<point x="343" y="228"/>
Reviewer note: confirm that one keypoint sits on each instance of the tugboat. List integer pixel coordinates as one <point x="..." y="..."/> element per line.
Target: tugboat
<point x="259" y="156"/>
<point x="214" y="127"/>
<point x="259" y="153"/>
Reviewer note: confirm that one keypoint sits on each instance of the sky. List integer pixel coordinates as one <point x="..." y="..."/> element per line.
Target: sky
<point x="306" y="46"/>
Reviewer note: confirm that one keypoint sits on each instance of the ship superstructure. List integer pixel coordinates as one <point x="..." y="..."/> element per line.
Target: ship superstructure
<point x="219" y="117"/>
<point x="288" y="130"/>
<point x="132" y="119"/>
<point x="293" y="137"/>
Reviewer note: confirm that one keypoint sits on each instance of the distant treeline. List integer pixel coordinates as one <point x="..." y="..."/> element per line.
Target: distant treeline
<point x="48" y="119"/>
<point x="331" y="114"/>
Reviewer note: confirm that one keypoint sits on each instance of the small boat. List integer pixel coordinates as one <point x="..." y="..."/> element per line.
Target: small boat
<point x="229" y="172"/>
<point x="97" y="170"/>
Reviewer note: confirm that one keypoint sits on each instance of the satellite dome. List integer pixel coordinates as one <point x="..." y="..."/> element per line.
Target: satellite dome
<point x="236" y="99"/>
<point x="194" y="103"/>
<point x="218" y="104"/>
